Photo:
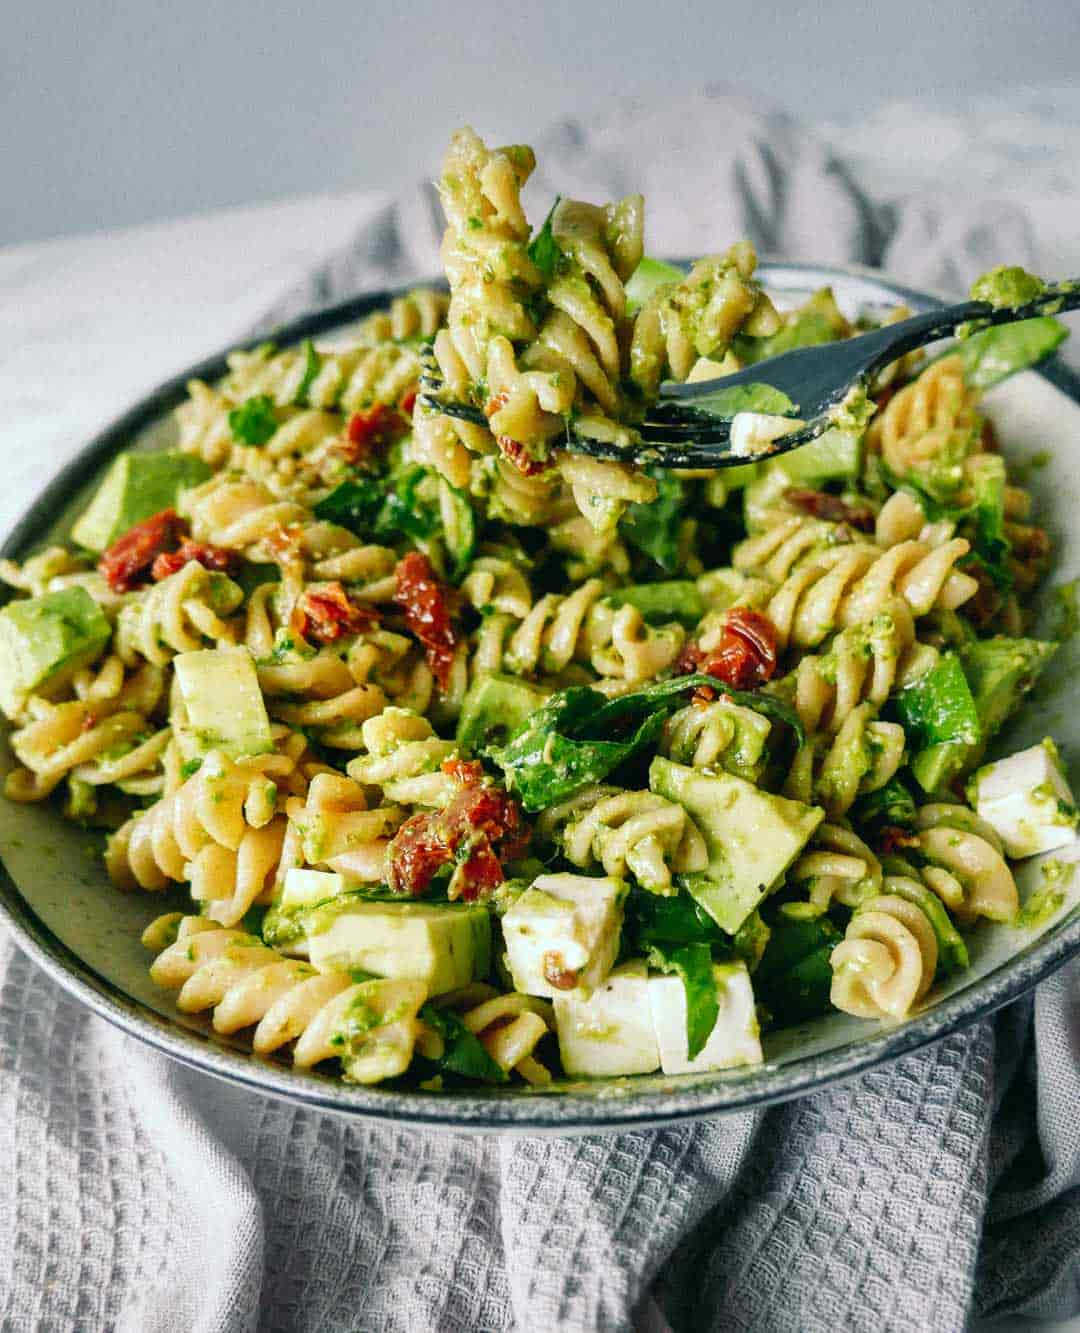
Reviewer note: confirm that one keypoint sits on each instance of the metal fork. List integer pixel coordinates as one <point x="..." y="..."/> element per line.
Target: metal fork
<point x="682" y="431"/>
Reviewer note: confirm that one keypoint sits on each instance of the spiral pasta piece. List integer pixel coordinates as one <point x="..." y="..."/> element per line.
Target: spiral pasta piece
<point x="547" y="334"/>
<point x="181" y="614"/>
<point x="863" y="664"/>
<point x="221" y="832"/>
<point x="370" y="1026"/>
<point x="886" y="961"/>
<point x="510" y="1026"/>
<point x="843" y="585"/>
<point x="833" y="769"/>
<point x="927" y="429"/>
<point x="965" y="865"/>
<point x="838" y="866"/>
<point x="103" y="736"/>
<point x="332" y="826"/>
<point x="720" y="734"/>
<point x="404" y="758"/>
<point x="627" y="832"/>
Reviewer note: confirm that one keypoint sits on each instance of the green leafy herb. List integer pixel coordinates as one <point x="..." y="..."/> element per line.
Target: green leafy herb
<point x="254" y="421"/>
<point x="654" y="528"/>
<point x="578" y="737"/>
<point x="655" y="919"/>
<point x="354" y="504"/>
<point x="891" y="804"/>
<point x="794" y="976"/>
<point x="312" y="366"/>
<point x="543" y="251"/>
<point x="661" y="603"/>
<point x="464" y="1055"/>
<point x="693" y="964"/>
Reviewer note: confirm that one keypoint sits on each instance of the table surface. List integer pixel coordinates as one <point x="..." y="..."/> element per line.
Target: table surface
<point x="91" y="323"/>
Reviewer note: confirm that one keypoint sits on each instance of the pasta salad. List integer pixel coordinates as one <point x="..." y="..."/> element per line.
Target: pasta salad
<point x="463" y="759"/>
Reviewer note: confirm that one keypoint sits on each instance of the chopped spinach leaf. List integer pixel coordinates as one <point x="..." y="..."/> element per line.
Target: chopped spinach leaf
<point x="312" y="366"/>
<point x="543" y="251"/>
<point x="653" y="528"/>
<point x="254" y="421"/>
<point x="693" y="964"/>
<point x="463" y="1052"/>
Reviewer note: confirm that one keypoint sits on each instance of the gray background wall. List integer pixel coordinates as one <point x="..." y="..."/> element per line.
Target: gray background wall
<point x="119" y="112"/>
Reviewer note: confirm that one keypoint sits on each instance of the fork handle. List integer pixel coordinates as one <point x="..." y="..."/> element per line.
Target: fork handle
<point x="899" y="339"/>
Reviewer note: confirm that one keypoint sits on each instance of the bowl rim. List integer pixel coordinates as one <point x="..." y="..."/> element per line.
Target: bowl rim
<point x="620" y="1109"/>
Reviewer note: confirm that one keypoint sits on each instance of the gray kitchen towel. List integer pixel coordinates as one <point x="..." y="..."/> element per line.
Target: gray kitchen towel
<point x="142" y="1196"/>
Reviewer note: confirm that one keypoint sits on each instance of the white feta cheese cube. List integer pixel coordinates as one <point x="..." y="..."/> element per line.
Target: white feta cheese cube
<point x="1026" y="799"/>
<point x="611" y="1032"/>
<point x="562" y="934"/>
<point x="734" y="1040"/>
<point x="754" y="433"/>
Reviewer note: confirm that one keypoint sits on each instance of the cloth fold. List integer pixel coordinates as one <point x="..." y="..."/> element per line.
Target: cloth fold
<point x="141" y="1195"/>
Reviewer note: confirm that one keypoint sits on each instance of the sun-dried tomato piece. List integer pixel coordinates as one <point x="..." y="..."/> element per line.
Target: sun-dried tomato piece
<point x="480" y="828"/>
<point x="370" y="431"/>
<point x="327" y="613"/>
<point x="892" y="838"/>
<point x="745" y="657"/>
<point x="416" y="853"/>
<point x="408" y="402"/>
<point x="210" y="557"/>
<point x="428" y="606"/>
<point x="513" y="450"/>
<point x="129" y="559"/>
<point x="820" y="504"/>
<point x="517" y="454"/>
<point x="557" y="973"/>
<point x="480" y="873"/>
<point x="469" y="772"/>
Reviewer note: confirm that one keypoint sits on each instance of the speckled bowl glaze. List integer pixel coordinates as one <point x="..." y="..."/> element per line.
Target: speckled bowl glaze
<point x="56" y="898"/>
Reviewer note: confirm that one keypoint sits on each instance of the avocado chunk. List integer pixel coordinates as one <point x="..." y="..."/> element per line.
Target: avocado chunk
<point x="225" y="708"/>
<point x="493" y="709"/>
<point x="751" y="837"/>
<point x="444" y="945"/>
<point x="136" y="486"/>
<point x="958" y="706"/>
<point x="45" y="640"/>
<point x="1000" y="672"/>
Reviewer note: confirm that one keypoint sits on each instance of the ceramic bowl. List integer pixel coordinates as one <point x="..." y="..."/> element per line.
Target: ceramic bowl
<point x="56" y="898"/>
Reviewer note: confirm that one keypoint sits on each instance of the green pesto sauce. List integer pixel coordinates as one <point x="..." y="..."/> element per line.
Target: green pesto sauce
<point x="1006" y="286"/>
<point x="1048" y="899"/>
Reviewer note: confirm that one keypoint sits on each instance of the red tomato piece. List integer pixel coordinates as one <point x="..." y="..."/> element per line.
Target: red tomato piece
<point x="820" y="504"/>
<point x="210" y="557"/>
<point x="128" y="561"/>
<point x="327" y="613"/>
<point x="745" y="657"/>
<point x="427" y="604"/>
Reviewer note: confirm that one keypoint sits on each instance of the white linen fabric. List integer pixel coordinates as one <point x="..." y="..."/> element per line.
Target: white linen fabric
<point x="140" y="1195"/>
